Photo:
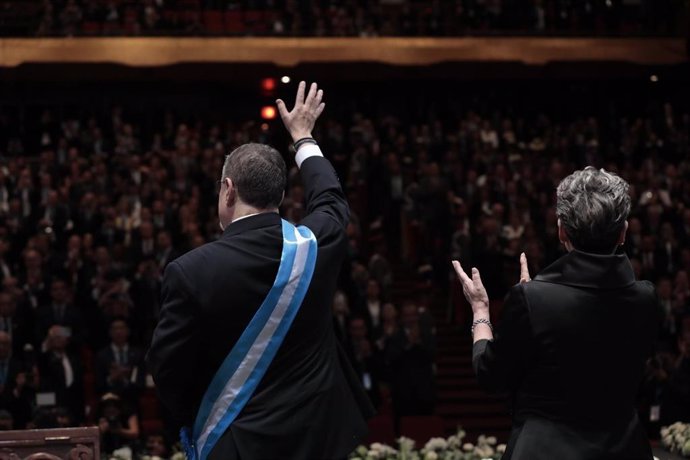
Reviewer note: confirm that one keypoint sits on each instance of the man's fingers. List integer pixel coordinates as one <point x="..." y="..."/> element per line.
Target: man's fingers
<point x="309" y="101"/>
<point x="524" y="269"/>
<point x="318" y="98"/>
<point x="299" y="100"/>
<point x="320" y="108"/>
<point x="282" y="109"/>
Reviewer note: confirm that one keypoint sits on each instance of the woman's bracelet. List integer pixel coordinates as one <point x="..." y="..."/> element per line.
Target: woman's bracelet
<point x="481" y="321"/>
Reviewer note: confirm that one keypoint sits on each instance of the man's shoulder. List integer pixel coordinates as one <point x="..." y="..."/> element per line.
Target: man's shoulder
<point x="197" y="258"/>
<point x="104" y="352"/>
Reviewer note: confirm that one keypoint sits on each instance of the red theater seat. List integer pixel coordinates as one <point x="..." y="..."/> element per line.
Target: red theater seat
<point x="421" y="428"/>
<point x="381" y="430"/>
<point x="213" y="22"/>
<point x="234" y="22"/>
<point x="91" y="28"/>
<point x="148" y="407"/>
<point x="151" y="427"/>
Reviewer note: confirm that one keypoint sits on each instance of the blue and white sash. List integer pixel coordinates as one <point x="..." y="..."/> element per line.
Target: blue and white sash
<point x="245" y="366"/>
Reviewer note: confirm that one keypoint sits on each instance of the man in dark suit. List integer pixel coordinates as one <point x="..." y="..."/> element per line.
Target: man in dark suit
<point x="572" y="344"/>
<point x="61" y="373"/>
<point x="119" y="367"/>
<point x="143" y="242"/>
<point x="410" y="354"/>
<point x="17" y="384"/>
<point x="60" y="311"/>
<point x="308" y="403"/>
<point x="15" y="321"/>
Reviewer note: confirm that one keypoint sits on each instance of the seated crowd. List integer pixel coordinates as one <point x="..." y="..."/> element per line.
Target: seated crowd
<point x="93" y="209"/>
<point x="341" y="18"/>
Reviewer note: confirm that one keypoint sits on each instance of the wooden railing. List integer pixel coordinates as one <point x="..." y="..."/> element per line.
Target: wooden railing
<point x="53" y="444"/>
<point x="287" y="52"/>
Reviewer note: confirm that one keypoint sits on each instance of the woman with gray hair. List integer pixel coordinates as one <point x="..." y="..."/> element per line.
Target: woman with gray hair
<point x="572" y="343"/>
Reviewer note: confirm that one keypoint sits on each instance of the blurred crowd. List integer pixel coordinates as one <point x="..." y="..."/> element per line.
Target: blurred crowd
<point x="342" y="18"/>
<point x="93" y="208"/>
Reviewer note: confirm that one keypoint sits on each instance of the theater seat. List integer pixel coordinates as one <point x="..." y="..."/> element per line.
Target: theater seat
<point x="151" y="427"/>
<point x="148" y="408"/>
<point x="381" y="430"/>
<point x="421" y="428"/>
<point x="213" y="21"/>
<point x="234" y="22"/>
<point x="91" y="28"/>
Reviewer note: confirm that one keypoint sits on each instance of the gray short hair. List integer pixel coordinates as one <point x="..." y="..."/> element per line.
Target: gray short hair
<point x="259" y="173"/>
<point x="593" y="206"/>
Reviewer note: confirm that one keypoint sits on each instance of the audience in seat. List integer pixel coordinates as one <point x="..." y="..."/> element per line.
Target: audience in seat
<point x="456" y="178"/>
<point x="120" y="366"/>
<point x="349" y="18"/>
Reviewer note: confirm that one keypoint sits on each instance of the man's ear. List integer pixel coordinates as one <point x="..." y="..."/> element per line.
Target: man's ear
<point x="281" y="199"/>
<point x="230" y="193"/>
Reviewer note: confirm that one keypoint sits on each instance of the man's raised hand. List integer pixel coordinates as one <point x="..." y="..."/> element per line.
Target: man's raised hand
<point x="300" y="120"/>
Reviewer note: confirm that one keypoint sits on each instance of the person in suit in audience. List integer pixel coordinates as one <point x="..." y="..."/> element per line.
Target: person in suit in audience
<point x="120" y="366"/>
<point x="409" y="353"/>
<point x="572" y="344"/>
<point x="15" y="322"/>
<point x="7" y="269"/>
<point x="61" y="372"/>
<point x="341" y="316"/>
<point x="365" y="358"/>
<point x="370" y="308"/>
<point x="62" y="312"/>
<point x="165" y="252"/>
<point x="143" y="242"/>
<point x="17" y="384"/>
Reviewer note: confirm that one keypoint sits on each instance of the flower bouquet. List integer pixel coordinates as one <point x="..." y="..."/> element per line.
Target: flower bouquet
<point x="676" y="438"/>
<point x="451" y="448"/>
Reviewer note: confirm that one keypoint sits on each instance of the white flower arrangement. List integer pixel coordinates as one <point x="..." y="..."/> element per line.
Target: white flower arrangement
<point x="123" y="453"/>
<point x="451" y="448"/>
<point x="676" y="438"/>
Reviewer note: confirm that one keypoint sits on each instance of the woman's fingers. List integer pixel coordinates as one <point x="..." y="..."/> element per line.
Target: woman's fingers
<point x="464" y="279"/>
<point x="477" y="278"/>
<point x="524" y="269"/>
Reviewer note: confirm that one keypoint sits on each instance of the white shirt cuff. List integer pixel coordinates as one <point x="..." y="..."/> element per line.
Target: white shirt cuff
<point x="306" y="151"/>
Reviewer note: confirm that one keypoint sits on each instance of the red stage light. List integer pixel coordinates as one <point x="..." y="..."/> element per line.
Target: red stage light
<point x="268" y="112"/>
<point x="268" y="84"/>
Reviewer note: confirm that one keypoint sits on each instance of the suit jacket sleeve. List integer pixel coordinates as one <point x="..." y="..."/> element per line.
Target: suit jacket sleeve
<point x="175" y="345"/>
<point x="500" y="364"/>
<point x="327" y="210"/>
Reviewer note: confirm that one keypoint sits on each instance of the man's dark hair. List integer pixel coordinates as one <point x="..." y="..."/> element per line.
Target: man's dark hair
<point x="259" y="174"/>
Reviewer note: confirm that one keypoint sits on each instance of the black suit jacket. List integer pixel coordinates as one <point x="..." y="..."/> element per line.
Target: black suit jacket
<point x="20" y="406"/>
<point x="45" y="318"/>
<point x="53" y="379"/>
<point x="309" y="404"/>
<point x="571" y="348"/>
<point x="129" y="388"/>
